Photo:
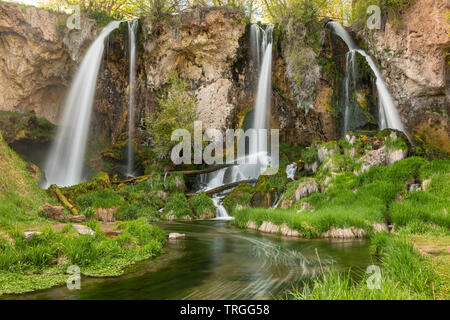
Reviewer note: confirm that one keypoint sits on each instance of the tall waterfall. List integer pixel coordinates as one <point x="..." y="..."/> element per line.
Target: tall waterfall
<point x="65" y="163"/>
<point x="388" y="115"/>
<point x="257" y="160"/>
<point x="132" y="27"/>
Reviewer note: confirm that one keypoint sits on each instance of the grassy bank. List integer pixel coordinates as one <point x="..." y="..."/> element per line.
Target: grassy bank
<point x="41" y="261"/>
<point x="379" y="195"/>
<point x="405" y="274"/>
<point x="20" y="195"/>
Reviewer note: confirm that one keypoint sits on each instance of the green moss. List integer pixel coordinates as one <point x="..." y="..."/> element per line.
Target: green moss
<point x="310" y="155"/>
<point x="239" y="196"/>
<point x="33" y="264"/>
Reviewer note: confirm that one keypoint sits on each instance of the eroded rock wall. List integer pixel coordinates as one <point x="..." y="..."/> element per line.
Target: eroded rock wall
<point x="416" y="69"/>
<point x="37" y="60"/>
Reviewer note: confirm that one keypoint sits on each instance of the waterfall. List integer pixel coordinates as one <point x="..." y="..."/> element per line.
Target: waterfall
<point x="256" y="161"/>
<point x="350" y="77"/>
<point x="65" y="163"/>
<point x="388" y="115"/>
<point x="132" y="27"/>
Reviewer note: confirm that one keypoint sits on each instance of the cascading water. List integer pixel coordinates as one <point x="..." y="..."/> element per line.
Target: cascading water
<point x="388" y="115"/>
<point x="132" y="27"/>
<point x="65" y="164"/>
<point x="350" y="77"/>
<point x="257" y="160"/>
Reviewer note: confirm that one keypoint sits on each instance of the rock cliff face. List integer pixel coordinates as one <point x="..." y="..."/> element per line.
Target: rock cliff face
<point x="37" y="60"/>
<point x="416" y="69"/>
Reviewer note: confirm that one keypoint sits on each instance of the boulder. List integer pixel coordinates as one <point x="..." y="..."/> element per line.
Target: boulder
<point x="306" y="188"/>
<point x="31" y="234"/>
<point x="176" y="236"/>
<point x="53" y="212"/>
<point x="396" y="155"/>
<point x="373" y="158"/>
<point x="106" y="215"/>
<point x="79" y="218"/>
<point x="83" y="230"/>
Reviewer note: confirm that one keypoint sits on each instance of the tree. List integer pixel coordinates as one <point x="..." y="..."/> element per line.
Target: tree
<point x="177" y="110"/>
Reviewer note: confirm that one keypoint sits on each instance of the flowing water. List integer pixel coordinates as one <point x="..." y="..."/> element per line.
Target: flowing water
<point x="66" y="160"/>
<point x="219" y="261"/>
<point x="132" y="28"/>
<point x="256" y="162"/>
<point x="388" y="114"/>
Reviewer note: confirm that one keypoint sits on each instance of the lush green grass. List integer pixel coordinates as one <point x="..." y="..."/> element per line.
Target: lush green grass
<point x="42" y="261"/>
<point x="405" y="274"/>
<point x="358" y="201"/>
<point x="202" y="205"/>
<point x="99" y="199"/>
<point x="177" y="205"/>
<point x="20" y="195"/>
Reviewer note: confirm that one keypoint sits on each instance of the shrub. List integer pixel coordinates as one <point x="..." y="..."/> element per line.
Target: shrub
<point x="177" y="110"/>
<point x="202" y="205"/>
<point x="99" y="199"/>
<point x="177" y="205"/>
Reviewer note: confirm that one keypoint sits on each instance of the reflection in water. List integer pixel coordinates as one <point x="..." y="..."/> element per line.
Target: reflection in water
<point x="218" y="261"/>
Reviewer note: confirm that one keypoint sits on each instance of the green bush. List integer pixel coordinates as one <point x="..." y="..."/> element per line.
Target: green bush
<point x="177" y="110"/>
<point x="202" y="205"/>
<point x="99" y="199"/>
<point x="177" y="205"/>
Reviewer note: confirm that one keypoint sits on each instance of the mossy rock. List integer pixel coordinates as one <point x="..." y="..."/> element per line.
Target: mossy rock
<point x="177" y="205"/>
<point x="239" y="197"/>
<point x="202" y="206"/>
<point x="100" y="182"/>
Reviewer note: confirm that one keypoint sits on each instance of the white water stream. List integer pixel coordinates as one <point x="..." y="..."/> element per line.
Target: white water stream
<point x="66" y="160"/>
<point x="132" y="27"/>
<point x="388" y="114"/>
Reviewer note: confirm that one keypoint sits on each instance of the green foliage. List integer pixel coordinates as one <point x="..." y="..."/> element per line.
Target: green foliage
<point x="41" y="261"/>
<point x="20" y="195"/>
<point x="239" y="196"/>
<point x="177" y="205"/>
<point x="310" y="155"/>
<point x="202" y="205"/>
<point x="99" y="199"/>
<point x="405" y="275"/>
<point x="177" y="110"/>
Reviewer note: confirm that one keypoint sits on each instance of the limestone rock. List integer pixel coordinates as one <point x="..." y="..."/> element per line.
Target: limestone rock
<point x="344" y="233"/>
<point x="53" y="212"/>
<point x="306" y="188"/>
<point x="83" y="230"/>
<point x="425" y="184"/>
<point x="31" y="234"/>
<point x="79" y="218"/>
<point x="106" y="215"/>
<point x="176" y="236"/>
<point x="414" y="66"/>
<point x="373" y="158"/>
<point x="396" y="155"/>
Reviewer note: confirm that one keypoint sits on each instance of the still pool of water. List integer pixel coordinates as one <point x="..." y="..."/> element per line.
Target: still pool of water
<point x="219" y="261"/>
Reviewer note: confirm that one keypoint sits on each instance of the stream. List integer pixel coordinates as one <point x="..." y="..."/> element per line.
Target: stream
<point x="219" y="261"/>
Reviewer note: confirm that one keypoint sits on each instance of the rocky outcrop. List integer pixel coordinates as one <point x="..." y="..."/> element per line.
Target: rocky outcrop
<point x="270" y="227"/>
<point x="53" y="212"/>
<point x="416" y="69"/>
<point x="37" y="59"/>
